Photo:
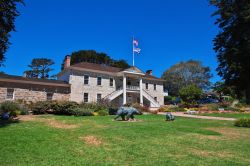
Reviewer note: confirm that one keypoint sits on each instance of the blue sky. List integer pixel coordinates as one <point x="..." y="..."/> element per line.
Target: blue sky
<point x="168" y="32"/>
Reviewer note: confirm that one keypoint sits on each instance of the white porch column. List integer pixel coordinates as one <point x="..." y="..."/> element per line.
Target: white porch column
<point x="124" y="89"/>
<point x="141" y="97"/>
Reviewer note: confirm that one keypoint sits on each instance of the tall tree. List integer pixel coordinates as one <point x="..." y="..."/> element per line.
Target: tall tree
<point x="95" y="57"/>
<point x="232" y="44"/>
<point x="40" y="68"/>
<point x="8" y="13"/>
<point x="184" y="74"/>
<point x="222" y="89"/>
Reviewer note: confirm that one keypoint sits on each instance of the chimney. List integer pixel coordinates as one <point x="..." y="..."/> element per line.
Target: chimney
<point x="149" y="72"/>
<point x="67" y="61"/>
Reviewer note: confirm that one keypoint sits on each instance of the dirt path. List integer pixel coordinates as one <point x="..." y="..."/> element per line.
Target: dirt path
<point x="198" y="116"/>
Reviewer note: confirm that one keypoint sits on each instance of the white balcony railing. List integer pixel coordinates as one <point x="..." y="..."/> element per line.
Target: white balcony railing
<point x="135" y="88"/>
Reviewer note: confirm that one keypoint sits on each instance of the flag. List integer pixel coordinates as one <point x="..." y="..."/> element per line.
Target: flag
<point x="135" y="46"/>
<point x="135" y="42"/>
<point x="137" y="50"/>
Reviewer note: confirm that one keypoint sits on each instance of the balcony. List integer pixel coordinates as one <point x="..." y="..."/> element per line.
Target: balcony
<point x="133" y="88"/>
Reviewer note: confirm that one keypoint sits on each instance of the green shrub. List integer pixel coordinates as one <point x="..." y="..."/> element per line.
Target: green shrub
<point x="93" y="106"/>
<point x="82" y="112"/>
<point x="63" y="108"/>
<point x="243" y="122"/>
<point x="103" y="112"/>
<point x="167" y="99"/>
<point x="10" y="107"/>
<point x="24" y="108"/>
<point x="41" y="107"/>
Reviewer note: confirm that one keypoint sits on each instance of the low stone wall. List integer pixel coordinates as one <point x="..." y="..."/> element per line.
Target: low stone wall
<point x="31" y="95"/>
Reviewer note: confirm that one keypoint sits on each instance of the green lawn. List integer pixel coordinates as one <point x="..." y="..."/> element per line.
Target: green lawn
<point x="228" y="115"/>
<point x="102" y="141"/>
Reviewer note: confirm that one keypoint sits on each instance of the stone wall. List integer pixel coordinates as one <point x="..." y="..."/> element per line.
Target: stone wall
<point x="31" y="95"/>
<point x="78" y="88"/>
<point x="159" y="93"/>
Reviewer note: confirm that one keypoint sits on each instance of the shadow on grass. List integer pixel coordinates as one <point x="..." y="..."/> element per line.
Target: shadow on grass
<point x="6" y="123"/>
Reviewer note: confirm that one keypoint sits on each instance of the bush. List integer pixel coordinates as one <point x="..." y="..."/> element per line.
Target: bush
<point x="41" y="107"/>
<point x="167" y="99"/>
<point x="63" y="108"/>
<point x="243" y="122"/>
<point x="11" y="108"/>
<point x="103" y="112"/>
<point x="69" y="108"/>
<point x="82" y="112"/>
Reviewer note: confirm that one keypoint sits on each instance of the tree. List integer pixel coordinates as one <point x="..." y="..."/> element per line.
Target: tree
<point x="95" y="57"/>
<point x="8" y="13"/>
<point x="232" y="44"/>
<point x="186" y="73"/>
<point x="190" y="93"/>
<point x="222" y="89"/>
<point x="40" y="68"/>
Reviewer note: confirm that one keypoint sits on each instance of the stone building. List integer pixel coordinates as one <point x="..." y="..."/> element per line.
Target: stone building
<point x="88" y="82"/>
<point x="92" y="82"/>
<point x="31" y="89"/>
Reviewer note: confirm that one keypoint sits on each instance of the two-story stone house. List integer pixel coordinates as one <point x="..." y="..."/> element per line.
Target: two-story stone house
<point x="92" y="82"/>
<point x="87" y="82"/>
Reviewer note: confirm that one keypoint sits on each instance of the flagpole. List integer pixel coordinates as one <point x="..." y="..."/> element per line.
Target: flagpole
<point x="133" y="51"/>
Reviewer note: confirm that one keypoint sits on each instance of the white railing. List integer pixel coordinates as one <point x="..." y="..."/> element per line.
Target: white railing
<point x="150" y="98"/>
<point x="130" y="87"/>
<point x="114" y="94"/>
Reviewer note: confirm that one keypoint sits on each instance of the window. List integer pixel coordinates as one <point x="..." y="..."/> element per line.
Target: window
<point x="146" y="85"/>
<point x="10" y="94"/>
<point x="111" y="82"/>
<point x="155" y="98"/>
<point x="98" y="97"/>
<point x="154" y="86"/>
<point x="86" y="79"/>
<point x="49" y="95"/>
<point x="86" y="97"/>
<point x="99" y="80"/>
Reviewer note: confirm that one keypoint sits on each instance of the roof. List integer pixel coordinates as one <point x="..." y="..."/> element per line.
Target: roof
<point x="153" y="77"/>
<point x="106" y="68"/>
<point x="12" y="78"/>
<point x="94" y="66"/>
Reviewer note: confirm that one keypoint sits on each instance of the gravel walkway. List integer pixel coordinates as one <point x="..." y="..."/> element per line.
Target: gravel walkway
<point x="198" y="116"/>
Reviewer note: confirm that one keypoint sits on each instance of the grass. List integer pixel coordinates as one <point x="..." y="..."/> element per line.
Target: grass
<point x="102" y="141"/>
<point x="228" y="115"/>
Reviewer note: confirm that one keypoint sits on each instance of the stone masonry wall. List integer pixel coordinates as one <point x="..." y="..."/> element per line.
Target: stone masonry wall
<point x="159" y="93"/>
<point x="78" y="88"/>
<point x="30" y="95"/>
